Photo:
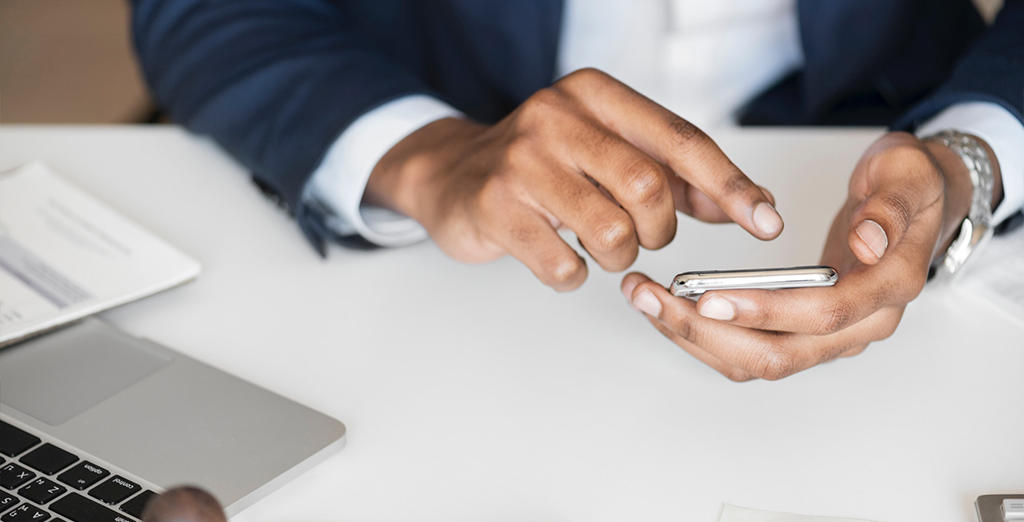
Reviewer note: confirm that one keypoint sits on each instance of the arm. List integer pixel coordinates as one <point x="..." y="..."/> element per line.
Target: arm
<point x="273" y="81"/>
<point x="338" y="185"/>
<point x="990" y="71"/>
<point x="906" y="200"/>
<point x="985" y="97"/>
<point x="277" y="81"/>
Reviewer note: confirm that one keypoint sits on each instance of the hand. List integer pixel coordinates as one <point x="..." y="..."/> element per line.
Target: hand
<point x="184" y="504"/>
<point x="588" y="153"/>
<point x="906" y="201"/>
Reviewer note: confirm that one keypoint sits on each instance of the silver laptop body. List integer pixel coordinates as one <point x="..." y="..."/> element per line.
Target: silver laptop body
<point x="149" y="417"/>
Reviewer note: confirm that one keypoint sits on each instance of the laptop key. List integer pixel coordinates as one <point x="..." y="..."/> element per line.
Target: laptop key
<point x="7" y="501"/>
<point x="14" y="441"/>
<point x="80" y="509"/>
<point x="48" y="458"/>
<point x="114" y="490"/>
<point x="42" y="490"/>
<point x="135" y="506"/>
<point x="13" y="475"/>
<point x="83" y="475"/>
<point x="25" y="513"/>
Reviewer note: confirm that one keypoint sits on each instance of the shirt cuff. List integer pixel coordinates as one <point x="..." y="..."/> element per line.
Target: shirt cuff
<point x="337" y="185"/>
<point x="1004" y="134"/>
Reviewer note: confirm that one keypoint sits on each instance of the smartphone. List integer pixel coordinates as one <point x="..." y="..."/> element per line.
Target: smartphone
<point x="692" y="285"/>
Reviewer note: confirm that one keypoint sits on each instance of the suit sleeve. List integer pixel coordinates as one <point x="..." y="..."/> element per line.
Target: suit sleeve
<point x="273" y="81"/>
<point x="992" y="70"/>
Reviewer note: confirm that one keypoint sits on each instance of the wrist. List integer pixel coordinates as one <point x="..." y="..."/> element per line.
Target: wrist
<point x="959" y="189"/>
<point x="406" y="177"/>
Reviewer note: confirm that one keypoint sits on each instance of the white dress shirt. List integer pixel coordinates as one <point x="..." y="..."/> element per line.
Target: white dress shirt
<point x="701" y="60"/>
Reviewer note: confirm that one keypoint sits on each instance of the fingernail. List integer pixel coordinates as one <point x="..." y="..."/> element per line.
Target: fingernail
<point x="873" y="236"/>
<point x="766" y="219"/>
<point x="717" y="308"/>
<point x="647" y="303"/>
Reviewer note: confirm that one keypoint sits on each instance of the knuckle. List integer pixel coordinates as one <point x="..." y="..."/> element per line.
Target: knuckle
<point x="775" y="363"/>
<point x="884" y="294"/>
<point x="892" y="321"/>
<point x="916" y="281"/>
<point x="541" y="105"/>
<point x="762" y="318"/>
<point x="736" y="183"/>
<point x="560" y="270"/>
<point x="913" y="159"/>
<point x="888" y="330"/>
<point x="686" y="133"/>
<point x="834" y="317"/>
<point x="644" y="181"/>
<point x="663" y="235"/>
<point x="518" y="152"/>
<point x="856" y="350"/>
<point x="615" y="235"/>
<point x="586" y="75"/>
<point x="684" y="328"/>
<point x="908" y="155"/>
<point x="897" y="207"/>
<point x="494" y="189"/>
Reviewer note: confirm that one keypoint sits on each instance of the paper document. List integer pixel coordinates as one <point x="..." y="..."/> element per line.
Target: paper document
<point x="740" y="514"/>
<point x="65" y="255"/>
<point x="997" y="276"/>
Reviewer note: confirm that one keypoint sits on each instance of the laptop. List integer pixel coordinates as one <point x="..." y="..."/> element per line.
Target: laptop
<point x="94" y="422"/>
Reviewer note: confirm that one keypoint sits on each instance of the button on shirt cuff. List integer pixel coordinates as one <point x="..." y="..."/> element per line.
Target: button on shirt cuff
<point x="338" y="184"/>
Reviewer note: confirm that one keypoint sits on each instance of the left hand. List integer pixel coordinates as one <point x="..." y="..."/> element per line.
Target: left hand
<point x="906" y="200"/>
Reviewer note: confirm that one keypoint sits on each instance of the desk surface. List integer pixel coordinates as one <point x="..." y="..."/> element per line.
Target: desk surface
<point x="475" y="393"/>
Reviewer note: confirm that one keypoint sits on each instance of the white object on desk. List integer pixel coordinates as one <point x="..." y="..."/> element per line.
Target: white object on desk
<point x="740" y="514"/>
<point x="65" y="255"/>
<point x="997" y="276"/>
<point x="1013" y="509"/>
<point x="475" y="393"/>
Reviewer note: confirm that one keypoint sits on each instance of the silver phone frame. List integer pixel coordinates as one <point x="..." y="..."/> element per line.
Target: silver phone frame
<point x="692" y="285"/>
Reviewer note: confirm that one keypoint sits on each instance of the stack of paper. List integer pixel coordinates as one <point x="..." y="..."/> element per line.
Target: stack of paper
<point x="65" y="255"/>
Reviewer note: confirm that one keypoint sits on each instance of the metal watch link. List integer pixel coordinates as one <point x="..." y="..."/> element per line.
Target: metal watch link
<point x="976" y="228"/>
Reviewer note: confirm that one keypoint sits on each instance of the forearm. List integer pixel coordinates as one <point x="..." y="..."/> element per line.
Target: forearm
<point x="273" y="81"/>
<point x="408" y="178"/>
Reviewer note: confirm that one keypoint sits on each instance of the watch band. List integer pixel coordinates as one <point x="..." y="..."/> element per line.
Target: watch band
<point x="976" y="228"/>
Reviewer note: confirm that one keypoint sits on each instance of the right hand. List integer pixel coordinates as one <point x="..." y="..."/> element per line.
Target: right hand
<point x="184" y="504"/>
<point x="588" y="153"/>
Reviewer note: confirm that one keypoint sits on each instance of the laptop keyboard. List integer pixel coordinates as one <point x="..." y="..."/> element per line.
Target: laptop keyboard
<point x="40" y="482"/>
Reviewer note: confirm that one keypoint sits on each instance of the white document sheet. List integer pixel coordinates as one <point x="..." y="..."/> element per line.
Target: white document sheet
<point x="65" y="255"/>
<point x="997" y="276"/>
<point x="740" y="514"/>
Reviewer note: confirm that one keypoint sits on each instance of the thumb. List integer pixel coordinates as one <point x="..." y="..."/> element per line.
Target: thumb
<point x="879" y="223"/>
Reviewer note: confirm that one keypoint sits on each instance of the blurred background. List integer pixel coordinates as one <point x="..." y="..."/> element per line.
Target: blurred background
<point x="71" y="61"/>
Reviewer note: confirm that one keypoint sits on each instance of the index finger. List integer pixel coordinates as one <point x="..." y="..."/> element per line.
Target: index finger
<point x="684" y="148"/>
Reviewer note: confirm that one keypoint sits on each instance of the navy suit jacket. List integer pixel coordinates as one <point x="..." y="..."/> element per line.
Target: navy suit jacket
<point x="276" y="81"/>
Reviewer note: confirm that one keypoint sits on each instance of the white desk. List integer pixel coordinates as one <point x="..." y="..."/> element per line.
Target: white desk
<point x="474" y="393"/>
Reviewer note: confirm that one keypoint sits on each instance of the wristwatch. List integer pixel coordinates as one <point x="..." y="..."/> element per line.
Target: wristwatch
<point x="976" y="228"/>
